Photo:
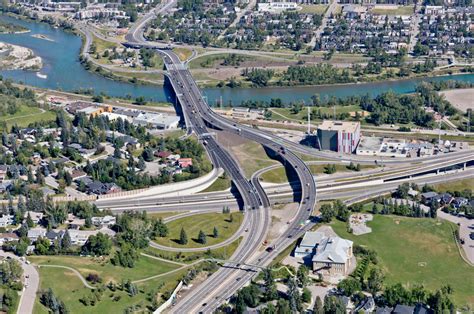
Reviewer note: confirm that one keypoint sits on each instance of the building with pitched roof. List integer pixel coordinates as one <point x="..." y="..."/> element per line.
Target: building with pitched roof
<point x="329" y="255"/>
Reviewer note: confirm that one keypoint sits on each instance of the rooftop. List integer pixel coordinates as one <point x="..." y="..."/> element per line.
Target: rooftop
<point x="348" y="127"/>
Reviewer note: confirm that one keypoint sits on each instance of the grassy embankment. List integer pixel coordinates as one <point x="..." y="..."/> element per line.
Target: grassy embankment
<point x="27" y="115"/>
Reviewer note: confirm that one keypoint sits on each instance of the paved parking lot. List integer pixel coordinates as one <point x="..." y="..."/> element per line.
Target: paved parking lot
<point x="466" y="227"/>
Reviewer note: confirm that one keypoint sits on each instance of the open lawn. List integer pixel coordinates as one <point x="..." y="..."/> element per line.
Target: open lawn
<point x="67" y="286"/>
<point x="417" y="251"/>
<point x="400" y="10"/>
<point x="144" y="267"/>
<point x="27" y="115"/>
<point x="205" y="222"/>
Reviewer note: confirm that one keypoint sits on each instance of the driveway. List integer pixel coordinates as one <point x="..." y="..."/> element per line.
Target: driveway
<point x="31" y="284"/>
<point x="466" y="226"/>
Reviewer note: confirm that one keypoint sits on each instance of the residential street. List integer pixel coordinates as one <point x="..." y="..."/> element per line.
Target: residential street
<point x="31" y="283"/>
<point x="466" y="226"/>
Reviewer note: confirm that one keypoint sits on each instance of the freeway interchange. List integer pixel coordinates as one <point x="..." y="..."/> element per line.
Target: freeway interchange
<point x="198" y="115"/>
<point x="253" y="198"/>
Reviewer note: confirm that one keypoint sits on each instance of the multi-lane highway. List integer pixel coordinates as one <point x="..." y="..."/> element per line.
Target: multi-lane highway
<point x="197" y="115"/>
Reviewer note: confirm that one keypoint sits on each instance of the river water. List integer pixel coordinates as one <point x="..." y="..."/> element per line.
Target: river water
<point x="64" y="72"/>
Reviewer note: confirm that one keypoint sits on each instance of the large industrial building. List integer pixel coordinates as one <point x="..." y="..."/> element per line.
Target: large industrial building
<point x="339" y="136"/>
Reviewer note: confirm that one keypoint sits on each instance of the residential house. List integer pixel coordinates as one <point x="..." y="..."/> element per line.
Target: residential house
<point x="428" y="197"/>
<point x="35" y="216"/>
<point x="104" y="221"/>
<point x="35" y="233"/>
<point x="459" y="202"/>
<point x="162" y="154"/>
<point x="80" y="237"/>
<point x="6" y="220"/>
<point x="8" y="237"/>
<point x="53" y="235"/>
<point x="99" y="188"/>
<point x="3" y="172"/>
<point x="185" y="162"/>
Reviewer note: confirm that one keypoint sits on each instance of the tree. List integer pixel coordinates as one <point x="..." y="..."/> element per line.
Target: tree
<point x="183" y="237"/>
<point x="283" y="306"/>
<point x="306" y="295"/>
<point x="349" y="286"/>
<point x="375" y="281"/>
<point x="202" y="237"/>
<point x="271" y="292"/>
<point x="99" y="244"/>
<point x="333" y="304"/>
<point x="327" y="213"/>
<point x="126" y="256"/>
<point x="293" y="295"/>
<point x="66" y="241"/>
<point x="42" y="246"/>
<point x="29" y="221"/>
<point x="318" y="306"/>
<point x="215" y="232"/>
<point x="302" y="275"/>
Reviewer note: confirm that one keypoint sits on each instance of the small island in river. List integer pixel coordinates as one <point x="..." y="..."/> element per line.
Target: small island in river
<point x="8" y="28"/>
<point x="13" y="57"/>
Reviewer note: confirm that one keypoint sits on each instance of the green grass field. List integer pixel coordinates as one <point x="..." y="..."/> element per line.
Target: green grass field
<point x="417" y="251"/>
<point x="145" y="267"/>
<point x="401" y="10"/>
<point x="204" y="222"/>
<point x="67" y="286"/>
<point x="27" y="115"/>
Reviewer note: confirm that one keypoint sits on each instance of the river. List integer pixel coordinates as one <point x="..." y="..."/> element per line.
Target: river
<point x="64" y="72"/>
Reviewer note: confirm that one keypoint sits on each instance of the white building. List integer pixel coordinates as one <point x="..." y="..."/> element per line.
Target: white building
<point x="35" y="233"/>
<point x="80" y="237"/>
<point x="6" y="220"/>
<point x="276" y="7"/>
<point x="329" y="255"/>
<point x="157" y="120"/>
<point x="104" y="221"/>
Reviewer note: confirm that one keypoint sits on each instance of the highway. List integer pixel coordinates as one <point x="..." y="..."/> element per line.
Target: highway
<point x="196" y="111"/>
<point x="200" y="119"/>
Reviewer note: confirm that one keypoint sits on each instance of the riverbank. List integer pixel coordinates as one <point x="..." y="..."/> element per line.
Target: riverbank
<point x="6" y="28"/>
<point x="13" y="57"/>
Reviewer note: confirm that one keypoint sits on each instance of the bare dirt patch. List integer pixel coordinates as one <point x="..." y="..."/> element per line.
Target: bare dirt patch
<point x="462" y="99"/>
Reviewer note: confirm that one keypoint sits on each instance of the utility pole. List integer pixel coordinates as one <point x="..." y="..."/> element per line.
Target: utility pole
<point x="309" y="121"/>
<point x="469" y="120"/>
<point x="334" y="112"/>
<point x="439" y="132"/>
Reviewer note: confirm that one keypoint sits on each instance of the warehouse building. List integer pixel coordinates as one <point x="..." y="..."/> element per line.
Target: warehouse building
<point x="339" y="136"/>
<point x="157" y="120"/>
